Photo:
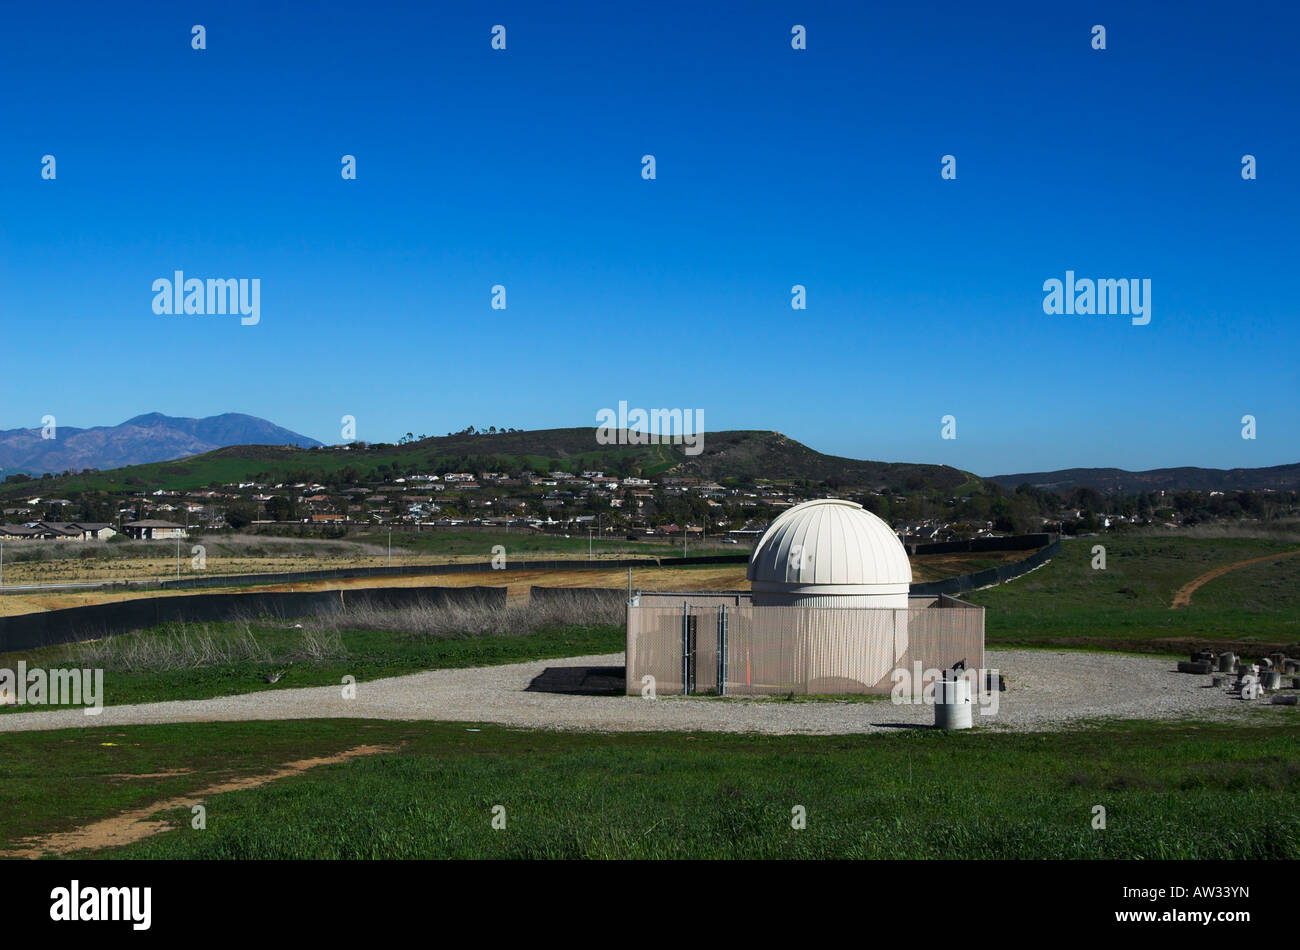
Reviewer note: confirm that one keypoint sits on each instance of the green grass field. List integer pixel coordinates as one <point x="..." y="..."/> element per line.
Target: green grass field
<point x="1126" y="606"/>
<point x="1170" y="790"/>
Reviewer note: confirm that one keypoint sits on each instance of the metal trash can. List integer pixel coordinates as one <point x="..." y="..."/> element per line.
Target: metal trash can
<point x="952" y="704"/>
<point x="1227" y="662"/>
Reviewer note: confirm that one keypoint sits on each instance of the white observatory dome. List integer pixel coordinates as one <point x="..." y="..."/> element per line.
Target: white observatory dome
<point x="830" y="553"/>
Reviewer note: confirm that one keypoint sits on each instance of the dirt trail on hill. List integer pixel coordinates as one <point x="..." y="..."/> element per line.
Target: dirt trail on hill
<point x="1184" y="595"/>
<point x="138" y="823"/>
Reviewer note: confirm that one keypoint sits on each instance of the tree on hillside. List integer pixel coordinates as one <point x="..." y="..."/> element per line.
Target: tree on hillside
<point x="280" y="508"/>
<point x="240" y="515"/>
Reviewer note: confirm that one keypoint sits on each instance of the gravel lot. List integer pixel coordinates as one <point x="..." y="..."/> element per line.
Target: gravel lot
<point x="1046" y="690"/>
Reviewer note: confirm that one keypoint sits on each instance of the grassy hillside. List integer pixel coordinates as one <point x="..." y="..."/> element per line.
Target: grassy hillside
<point x="726" y="454"/>
<point x="1127" y="605"/>
<point x="773" y="455"/>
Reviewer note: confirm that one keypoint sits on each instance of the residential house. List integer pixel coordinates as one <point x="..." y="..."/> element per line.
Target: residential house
<point x="152" y="530"/>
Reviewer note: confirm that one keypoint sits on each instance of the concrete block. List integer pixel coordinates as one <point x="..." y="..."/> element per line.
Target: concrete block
<point x="1193" y="666"/>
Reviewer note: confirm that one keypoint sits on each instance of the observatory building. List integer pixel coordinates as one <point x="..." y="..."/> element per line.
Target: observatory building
<point x="829" y="611"/>
<point x="829" y="553"/>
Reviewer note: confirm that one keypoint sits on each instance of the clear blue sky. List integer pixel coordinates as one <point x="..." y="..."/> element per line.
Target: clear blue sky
<point x="775" y="167"/>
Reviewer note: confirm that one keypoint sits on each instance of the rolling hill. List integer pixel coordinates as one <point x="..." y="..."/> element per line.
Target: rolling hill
<point x="156" y="451"/>
<point x="740" y="454"/>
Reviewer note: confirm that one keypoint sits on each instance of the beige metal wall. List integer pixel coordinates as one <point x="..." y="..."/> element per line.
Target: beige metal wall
<point x="703" y="598"/>
<point x="802" y="649"/>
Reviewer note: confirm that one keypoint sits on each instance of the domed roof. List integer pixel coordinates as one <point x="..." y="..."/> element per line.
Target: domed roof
<point x="829" y="542"/>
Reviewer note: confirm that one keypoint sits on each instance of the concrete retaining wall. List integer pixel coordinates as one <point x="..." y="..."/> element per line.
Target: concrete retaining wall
<point x="994" y="575"/>
<point x="28" y="631"/>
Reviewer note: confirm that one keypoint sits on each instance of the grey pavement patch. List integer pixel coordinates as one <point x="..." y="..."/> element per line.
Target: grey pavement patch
<point x="1046" y="690"/>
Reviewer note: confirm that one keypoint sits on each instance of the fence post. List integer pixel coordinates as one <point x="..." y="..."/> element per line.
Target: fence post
<point x="722" y="651"/>
<point x="686" y="647"/>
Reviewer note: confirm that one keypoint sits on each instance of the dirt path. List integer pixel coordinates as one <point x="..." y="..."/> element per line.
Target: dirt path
<point x="1184" y="595"/>
<point x="650" y="577"/>
<point x="139" y="823"/>
<point x="723" y="577"/>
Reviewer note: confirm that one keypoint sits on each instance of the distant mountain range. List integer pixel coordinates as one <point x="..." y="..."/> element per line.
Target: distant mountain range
<point x="1188" y="478"/>
<point x="149" y="438"/>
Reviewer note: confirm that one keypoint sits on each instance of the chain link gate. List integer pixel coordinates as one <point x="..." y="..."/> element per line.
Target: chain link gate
<point x="697" y="656"/>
